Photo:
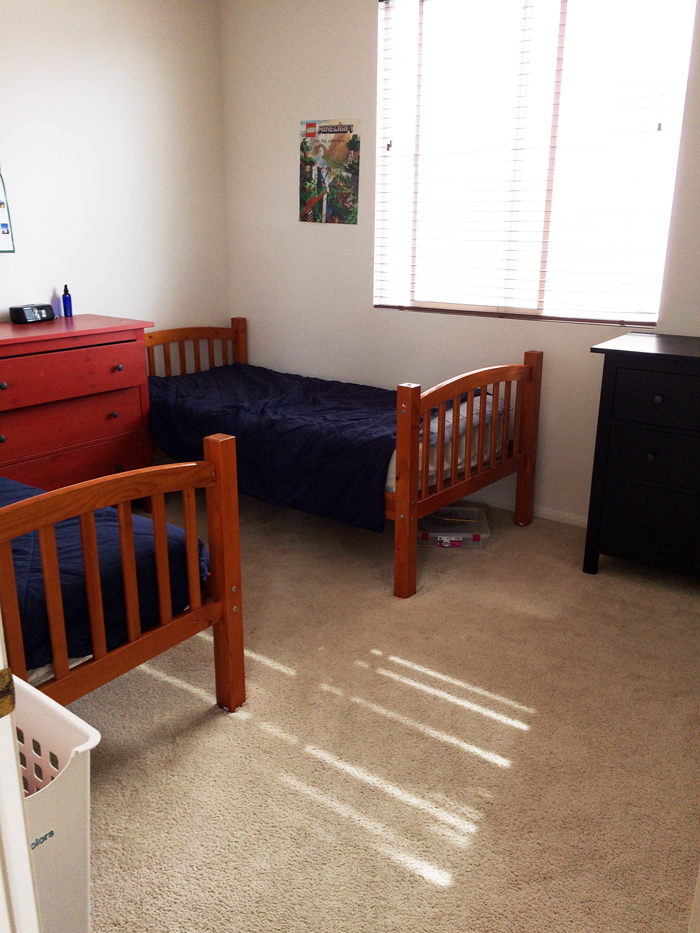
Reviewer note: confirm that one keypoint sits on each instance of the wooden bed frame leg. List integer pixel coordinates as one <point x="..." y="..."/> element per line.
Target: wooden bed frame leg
<point x="222" y="509"/>
<point x="525" y="488"/>
<point x="406" y="501"/>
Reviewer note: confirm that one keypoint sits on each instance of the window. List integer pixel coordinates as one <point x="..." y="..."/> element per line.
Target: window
<point x="527" y="154"/>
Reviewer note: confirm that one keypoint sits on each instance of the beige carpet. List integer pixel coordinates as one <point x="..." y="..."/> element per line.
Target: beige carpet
<point x="513" y="749"/>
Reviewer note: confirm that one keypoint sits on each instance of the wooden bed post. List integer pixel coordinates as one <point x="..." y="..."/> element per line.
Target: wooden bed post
<point x="405" y="522"/>
<point x="240" y="341"/>
<point x="222" y="508"/>
<point x="525" y="487"/>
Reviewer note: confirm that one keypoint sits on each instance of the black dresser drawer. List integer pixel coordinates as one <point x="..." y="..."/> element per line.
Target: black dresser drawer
<point x="661" y="523"/>
<point x="670" y="400"/>
<point x="654" y="456"/>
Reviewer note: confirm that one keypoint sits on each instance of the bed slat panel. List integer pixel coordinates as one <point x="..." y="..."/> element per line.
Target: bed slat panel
<point x="166" y="359"/>
<point x="93" y="588"/>
<point x="150" y="353"/>
<point x="131" y="592"/>
<point x="9" y="606"/>
<point x="197" y="356"/>
<point x="212" y="356"/>
<point x="182" y="349"/>
<point x="54" y="600"/>
<point x="189" y="504"/>
<point x="224" y="353"/>
<point x="493" y="434"/>
<point x="160" y="540"/>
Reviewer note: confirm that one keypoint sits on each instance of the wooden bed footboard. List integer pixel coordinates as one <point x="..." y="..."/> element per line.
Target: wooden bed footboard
<point x="500" y="445"/>
<point x="220" y="606"/>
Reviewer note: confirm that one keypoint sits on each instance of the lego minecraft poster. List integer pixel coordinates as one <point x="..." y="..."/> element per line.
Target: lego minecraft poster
<point x="329" y="171"/>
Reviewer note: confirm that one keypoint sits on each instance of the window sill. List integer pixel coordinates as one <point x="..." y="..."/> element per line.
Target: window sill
<point x="521" y="315"/>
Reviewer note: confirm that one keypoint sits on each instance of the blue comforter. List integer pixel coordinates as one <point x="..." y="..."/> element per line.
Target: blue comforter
<point x="309" y="444"/>
<point x="30" y="585"/>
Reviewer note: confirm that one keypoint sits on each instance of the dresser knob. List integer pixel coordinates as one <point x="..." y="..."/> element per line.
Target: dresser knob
<point x="115" y="414"/>
<point x="3" y="386"/>
<point x="119" y="367"/>
<point x="2" y="438"/>
<point x="651" y="457"/>
<point x="118" y="468"/>
<point x="658" y="399"/>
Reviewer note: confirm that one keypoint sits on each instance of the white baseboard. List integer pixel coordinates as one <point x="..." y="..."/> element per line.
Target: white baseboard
<point x="566" y="518"/>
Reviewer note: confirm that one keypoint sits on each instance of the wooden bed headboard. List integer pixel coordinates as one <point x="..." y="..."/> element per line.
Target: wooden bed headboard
<point x="224" y="345"/>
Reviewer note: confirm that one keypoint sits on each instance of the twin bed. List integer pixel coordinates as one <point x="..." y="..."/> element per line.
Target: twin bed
<point x="103" y="591"/>
<point x="350" y="452"/>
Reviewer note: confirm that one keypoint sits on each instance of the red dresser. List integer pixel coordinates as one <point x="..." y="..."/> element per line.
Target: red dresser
<point x="73" y="399"/>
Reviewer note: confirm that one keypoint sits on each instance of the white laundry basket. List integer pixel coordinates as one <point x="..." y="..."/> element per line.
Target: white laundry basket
<point x="54" y="752"/>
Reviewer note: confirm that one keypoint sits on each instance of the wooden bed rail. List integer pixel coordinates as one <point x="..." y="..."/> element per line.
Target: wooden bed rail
<point x="217" y="474"/>
<point x="460" y="462"/>
<point x="224" y="345"/>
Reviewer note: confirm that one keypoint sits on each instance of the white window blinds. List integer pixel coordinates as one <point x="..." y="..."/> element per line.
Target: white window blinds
<point x="527" y="154"/>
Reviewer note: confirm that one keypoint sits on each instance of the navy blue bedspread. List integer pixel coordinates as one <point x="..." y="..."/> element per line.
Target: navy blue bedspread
<point x="30" y="585"/>
<point x="305" y="443"/>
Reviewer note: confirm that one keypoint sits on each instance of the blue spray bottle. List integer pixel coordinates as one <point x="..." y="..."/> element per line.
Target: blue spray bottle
<point x="67" y="303"/>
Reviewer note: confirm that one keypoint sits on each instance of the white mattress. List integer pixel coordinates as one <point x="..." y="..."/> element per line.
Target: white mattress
<point x="390" y="485"/>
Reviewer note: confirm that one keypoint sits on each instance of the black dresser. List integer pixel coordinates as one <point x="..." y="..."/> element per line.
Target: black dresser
<point x="645" y="492"/>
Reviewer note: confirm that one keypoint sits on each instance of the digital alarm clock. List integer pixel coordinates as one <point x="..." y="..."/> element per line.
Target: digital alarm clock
<point x="27" y="314"/>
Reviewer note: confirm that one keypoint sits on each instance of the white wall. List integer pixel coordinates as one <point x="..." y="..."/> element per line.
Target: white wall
<point x="111" y="147"/>
<point x="307" y="288"/>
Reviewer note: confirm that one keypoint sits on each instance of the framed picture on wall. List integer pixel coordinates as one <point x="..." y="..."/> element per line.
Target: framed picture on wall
<point x="7" y="243"/>
<point x="329" y="171"/>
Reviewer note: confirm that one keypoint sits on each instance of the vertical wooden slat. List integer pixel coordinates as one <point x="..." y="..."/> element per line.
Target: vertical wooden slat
<point x="518" y="418"/>
<point x="160" y="540"/>
<point x="197" y="356"/>
<point x="189" y="503"/>
<point x="182" y="347"/>
<point x="482" y="430"/>
<point x="9" y="607"/>
<point x="166" y="359"/>
<point x="54" y="600"/>
<point x="93" y="589"/>
<point x="212" y="356"/>
<point x="406" y="498"/>
<point x="494" y="423"/>
<point x="425" y="457"/>
<point x="505" y="432"/>
<point x="151" y="361"/>
<point x="131" y="592"/>
<point x="440" y="460"/>
<point x="222" y="511"/>
<point x="224" y="352"/>
<point x="454" y="459"/>
<point x="469" y="435"/>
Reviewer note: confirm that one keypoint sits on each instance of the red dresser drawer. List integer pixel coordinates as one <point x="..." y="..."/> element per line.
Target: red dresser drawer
<point x="47" y="377"/>
<point x="30" y="432"/>
<point x="74" y="466"/>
